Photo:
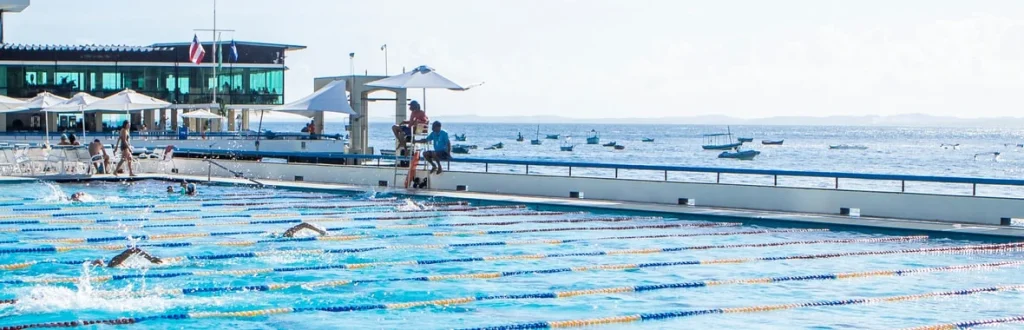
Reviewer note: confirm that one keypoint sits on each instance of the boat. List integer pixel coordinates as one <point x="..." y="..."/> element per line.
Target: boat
<point x="772" y="142"/>
<point x="460" y="137"/>
<point x="741" y="155"/>
<point x="720" y="141"/>
<point x="847" y="147"/>
<point x="552" y="137"/>
<point x="619" y="147"/>
<point x="536" y="141"/>
<point x="593" y="138"/>
<point x="498" y="145"/>
<point x="648" y="140"/>
<point x="953" y="146"/>
<point x="520" y="137"/>
<point x="995" y="155"/>
<point x="387" y="152"/>
<point x="567" y="144"/>
<point x="460" y="149"/>
<point x="743" y="139"/>
<point x="609" y="144"/>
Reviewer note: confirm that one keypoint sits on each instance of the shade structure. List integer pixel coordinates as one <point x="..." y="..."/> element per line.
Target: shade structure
<point x="330" y="98"/>
<point x="422" y="77"/>
<point x="76" y="103"/>
<point x="7" y="103"/>
<point x="201" y="114"/>
<point x="37" y="103"/>
<point x="126" y="101"/>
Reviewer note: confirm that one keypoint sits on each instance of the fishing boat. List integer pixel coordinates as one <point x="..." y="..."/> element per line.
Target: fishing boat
<point x="520" y="137"/>
<point x="741" y="155"/>
<point x="772" y="142"/>
<point x="648" y="140"/>
<point x="460" y="137"/>
<point x="460" y="149"/>
<point x="953" y="146"/>
<point x="537" y="140"/>
<point x="567" y="144"/>
<point x="552" y="137"/>
<point x="743" y="139"/>
<point x="609" y="144"/>
<point x="619" y="147"/>
<point x="498" y="145"/>
<point x="995" y="155"/>
<point x="720" y="141"/>
<point x="593" y="138"/>
<point x="847" y="147"/>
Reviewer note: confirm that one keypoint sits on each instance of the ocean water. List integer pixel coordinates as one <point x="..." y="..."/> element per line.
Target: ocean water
<point x="394" y="263"/>
<point x="891" y="150"/>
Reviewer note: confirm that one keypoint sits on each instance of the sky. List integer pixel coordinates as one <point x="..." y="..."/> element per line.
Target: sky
<point x="611" y="59"/>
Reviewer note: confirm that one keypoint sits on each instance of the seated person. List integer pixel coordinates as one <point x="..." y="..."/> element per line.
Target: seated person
<point x="64" y="140"/>
<point x="403" y="131"/>
<point x="95" y="149"/>
<point x="304" y="226"/>
<point x="442" y="147"/>
<point x="73" y="140"/>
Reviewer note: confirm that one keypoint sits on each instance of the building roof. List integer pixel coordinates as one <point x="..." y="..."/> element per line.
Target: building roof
<point x="15" y="6"/>
<point x="246" y="43"/>
<point x="86" y="48"/>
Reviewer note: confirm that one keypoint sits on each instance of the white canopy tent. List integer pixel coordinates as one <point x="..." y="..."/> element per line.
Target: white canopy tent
<point x="421" y="77"/>
<point x="330" y="98"/>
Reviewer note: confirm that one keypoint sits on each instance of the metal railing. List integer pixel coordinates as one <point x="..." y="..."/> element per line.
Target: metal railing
<point x="315" y="157"/>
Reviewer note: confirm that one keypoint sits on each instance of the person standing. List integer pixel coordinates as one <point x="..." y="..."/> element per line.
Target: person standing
<point x="126" y="149"/>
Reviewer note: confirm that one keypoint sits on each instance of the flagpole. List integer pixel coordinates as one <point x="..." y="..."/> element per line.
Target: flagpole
<point x="215" y="77"/>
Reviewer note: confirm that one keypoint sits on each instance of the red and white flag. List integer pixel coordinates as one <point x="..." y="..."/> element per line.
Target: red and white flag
<point x="196" y="51"/>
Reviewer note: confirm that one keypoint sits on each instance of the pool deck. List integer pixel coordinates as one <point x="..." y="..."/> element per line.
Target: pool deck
<point x="952" y="229"/>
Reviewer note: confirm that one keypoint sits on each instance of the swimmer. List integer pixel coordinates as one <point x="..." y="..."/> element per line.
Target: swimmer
<point x="305" y="225"/>
<point x="80" y="197"/>
<point x="170" y="189"/>
<point x="120" y="258"/>
<point x="190" y="189"/>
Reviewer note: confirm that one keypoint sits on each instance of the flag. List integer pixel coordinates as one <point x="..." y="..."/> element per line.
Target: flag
<point x="196" y="51"/>
<point x="220" y="56"/>
<point x="234" y="52"/>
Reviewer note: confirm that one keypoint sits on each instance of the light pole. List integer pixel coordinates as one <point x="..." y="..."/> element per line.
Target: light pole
<point x="385" y="49"/>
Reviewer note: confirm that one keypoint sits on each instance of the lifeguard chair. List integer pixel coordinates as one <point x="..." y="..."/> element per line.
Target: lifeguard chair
<point x="412" y="150"/>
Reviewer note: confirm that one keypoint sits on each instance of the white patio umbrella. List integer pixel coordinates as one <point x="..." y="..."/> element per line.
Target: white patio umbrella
<point x="7" y="103"/>
<point x="76" y="103"/>
<point x="126" y="101"/>
<point x="201" y="114"/>
<point x="421" y="77"/>
<point x="39" y="102"/>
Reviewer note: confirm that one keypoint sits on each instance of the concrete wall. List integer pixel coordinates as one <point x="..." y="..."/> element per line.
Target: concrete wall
<point x="961" y="209"/>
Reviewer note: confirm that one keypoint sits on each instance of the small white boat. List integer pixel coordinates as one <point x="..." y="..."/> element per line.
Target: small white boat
<point x="953" y="146"/>
<point x="995" y="155"/>
<point x="741" y="155"/>
<point x="847" y="147"/>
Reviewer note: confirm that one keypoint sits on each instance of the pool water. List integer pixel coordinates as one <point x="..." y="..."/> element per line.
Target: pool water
<point x="393" y="262"/>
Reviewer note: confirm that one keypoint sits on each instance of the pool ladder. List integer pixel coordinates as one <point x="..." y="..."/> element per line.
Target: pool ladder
<point x="209" y="173"/>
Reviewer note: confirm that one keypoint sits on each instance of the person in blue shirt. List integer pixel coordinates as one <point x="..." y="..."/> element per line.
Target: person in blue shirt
<point x="442" y="147"/>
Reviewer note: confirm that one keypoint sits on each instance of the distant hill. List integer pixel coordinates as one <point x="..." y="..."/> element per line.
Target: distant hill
<point x="911" y="120"/>
<point x="907" y="120"/>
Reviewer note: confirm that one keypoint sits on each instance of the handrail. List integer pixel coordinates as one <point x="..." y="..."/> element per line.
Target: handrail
<point x="235" y="173"/>
<point x="665" y="168"/>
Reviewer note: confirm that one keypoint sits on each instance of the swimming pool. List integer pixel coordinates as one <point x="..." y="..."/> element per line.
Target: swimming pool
<point x="437" y="264"/>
